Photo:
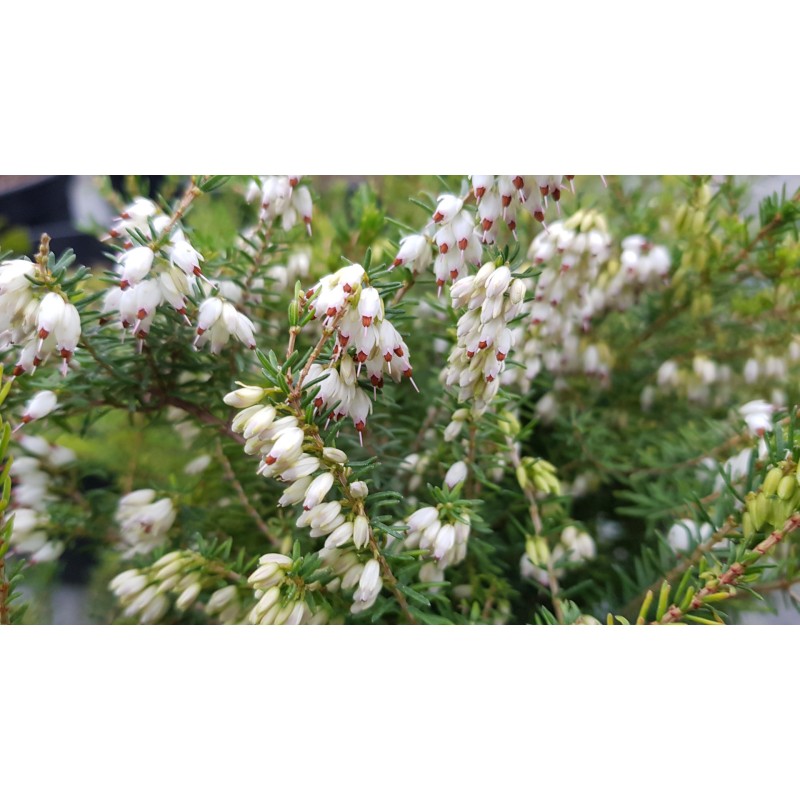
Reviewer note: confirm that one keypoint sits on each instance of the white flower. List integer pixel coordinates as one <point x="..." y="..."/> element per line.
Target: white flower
<point x="185" y="257"/>
<point x="369" y="587"/>
<point x="136" y="265"/>
<point x="40" y="405"/>
<point x="448" y="207"/>
<point x="51" y="310"/>
<point x="758" y="416"/>
<point x="686" y="533"/>
<point x="415" y="252"/>
<point x="422" y="518"/>
<point x="197" y="465"/>
<point x="360" y="531"/>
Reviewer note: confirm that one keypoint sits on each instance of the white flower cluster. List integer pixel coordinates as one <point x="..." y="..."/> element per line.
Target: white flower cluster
<point x="33" y="475"/>
<point x="38" y="320"/>
<point x="270" y="582"/>
<point x="147" y="279"/>
<point x="440" y="532"/>
<point x="218" y="320"/>
<point x="460" y="234"/>
<point x="703" y="381"/>
<point x="354" y="573"/>
<point x="151" y="276"/>
<point x="493" y="298"/>
<point x="574" y="547"/>
<point x="445" y="539"/>
<point x="579" y="282"/>
<point x="357" y="313"/>
<point x="145" y="593"/>
<point x="282" y="196"/>
<point x="709" y="383"/>
<point x="457" y="239"/>
<point x="504" y="196"/>
<point x="279" y="441"/>
<point x="144" y="522"/>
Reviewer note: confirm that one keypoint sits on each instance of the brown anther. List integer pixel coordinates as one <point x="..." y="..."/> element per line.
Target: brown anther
<point x="438" y="216"/>
<point x="518" y="182"/>
<point x="506" y="200"/>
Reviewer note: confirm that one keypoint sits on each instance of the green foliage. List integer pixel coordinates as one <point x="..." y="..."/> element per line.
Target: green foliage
<point x="608" y="464"/>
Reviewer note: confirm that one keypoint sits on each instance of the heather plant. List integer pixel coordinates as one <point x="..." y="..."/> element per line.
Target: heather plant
<point x="487" y="399"/>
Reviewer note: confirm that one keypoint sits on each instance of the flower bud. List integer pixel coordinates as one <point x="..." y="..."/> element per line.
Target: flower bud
<point x="360" y="531"/>
<point x="188" y="596"/>
<point x="245" y="397"/>
<point x="772" y="480"/>
<point x="317" y="490"/>
<point x="456" y="474"/>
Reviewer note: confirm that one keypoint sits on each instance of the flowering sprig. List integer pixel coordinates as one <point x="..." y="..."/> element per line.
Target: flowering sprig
<point x="183" y="581"/>
<point x="37" y="312"/>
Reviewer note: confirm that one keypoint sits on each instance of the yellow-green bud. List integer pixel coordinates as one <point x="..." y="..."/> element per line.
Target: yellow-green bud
<point x="760" y="511"/>
<point x="772" y="480"/>
<point x="786" y="487"/>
